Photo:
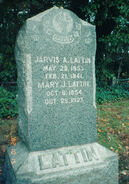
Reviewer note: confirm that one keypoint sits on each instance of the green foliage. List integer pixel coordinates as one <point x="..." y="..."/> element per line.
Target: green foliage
<point x="110" y="94"/>
<point x="110" y="18"/>
<point x="8" y="103"/>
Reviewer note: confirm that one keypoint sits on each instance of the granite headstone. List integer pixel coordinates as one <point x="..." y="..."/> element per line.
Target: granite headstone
<point x="55" y="54"/>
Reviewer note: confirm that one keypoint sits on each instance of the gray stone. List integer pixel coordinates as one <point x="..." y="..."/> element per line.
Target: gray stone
<point x="55" y="56"/>
<point x="83" y="164"/>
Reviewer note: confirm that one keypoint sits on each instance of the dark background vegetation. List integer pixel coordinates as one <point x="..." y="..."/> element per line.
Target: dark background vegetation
<point x="111" y="19"/>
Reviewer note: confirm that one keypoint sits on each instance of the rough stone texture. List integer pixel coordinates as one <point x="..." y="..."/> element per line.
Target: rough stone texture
<point x="55" y="55"/>
<point x="85" y="164"/>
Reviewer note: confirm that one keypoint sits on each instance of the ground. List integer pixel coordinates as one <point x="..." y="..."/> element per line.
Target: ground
<point x="113" y="133"/>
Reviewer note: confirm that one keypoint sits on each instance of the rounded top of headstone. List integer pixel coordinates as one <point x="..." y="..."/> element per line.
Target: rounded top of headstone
<point x="63" y="13"/>
<point x="57" y="24"/>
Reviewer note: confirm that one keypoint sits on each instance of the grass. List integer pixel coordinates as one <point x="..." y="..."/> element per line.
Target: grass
<point x="8" y="128"/>
<point x="113" y="133"/>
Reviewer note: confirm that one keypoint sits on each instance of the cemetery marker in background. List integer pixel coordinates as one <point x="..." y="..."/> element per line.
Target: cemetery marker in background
<point x="55" y="54"/>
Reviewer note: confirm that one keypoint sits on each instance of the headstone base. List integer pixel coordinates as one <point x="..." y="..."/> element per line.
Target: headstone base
<point x="83" y="164"/>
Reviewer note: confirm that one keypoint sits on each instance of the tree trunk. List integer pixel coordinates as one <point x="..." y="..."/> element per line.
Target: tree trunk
<point x="119" y="71"/>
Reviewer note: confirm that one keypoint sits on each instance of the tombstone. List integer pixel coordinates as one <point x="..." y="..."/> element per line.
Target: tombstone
<point x="55" y="54"/>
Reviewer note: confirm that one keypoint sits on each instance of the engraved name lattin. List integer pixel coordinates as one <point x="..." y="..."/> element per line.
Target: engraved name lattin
<point x="69" y="158"/>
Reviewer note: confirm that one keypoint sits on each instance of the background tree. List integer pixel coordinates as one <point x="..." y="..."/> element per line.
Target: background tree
<point x="111" y="20"/>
